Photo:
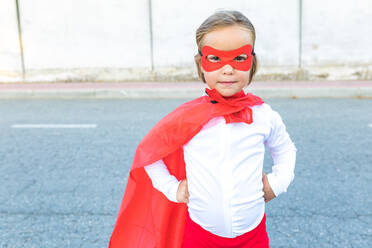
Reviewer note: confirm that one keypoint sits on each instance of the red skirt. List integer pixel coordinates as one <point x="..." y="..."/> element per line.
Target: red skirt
<point x="197" y="237"/>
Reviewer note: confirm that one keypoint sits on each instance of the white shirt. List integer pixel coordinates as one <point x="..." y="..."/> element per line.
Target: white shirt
<point x="224" y="164"/>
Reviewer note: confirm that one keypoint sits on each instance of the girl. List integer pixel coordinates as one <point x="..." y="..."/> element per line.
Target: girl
<point x="196" y="179"/>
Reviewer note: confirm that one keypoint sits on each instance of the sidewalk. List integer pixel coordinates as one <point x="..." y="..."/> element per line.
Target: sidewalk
<point x="265" y="89"/>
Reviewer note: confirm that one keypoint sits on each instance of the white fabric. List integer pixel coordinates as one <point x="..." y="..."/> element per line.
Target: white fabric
<point x="162" y="180"/>
<point x="224" y="164"/>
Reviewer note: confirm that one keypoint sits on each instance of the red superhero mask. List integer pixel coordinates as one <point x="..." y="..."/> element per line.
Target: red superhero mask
<point x="240" y="58"/>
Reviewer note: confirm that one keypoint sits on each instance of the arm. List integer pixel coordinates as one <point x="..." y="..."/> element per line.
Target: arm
<point x="283" y="153"/>
<point x="162" y="180"/>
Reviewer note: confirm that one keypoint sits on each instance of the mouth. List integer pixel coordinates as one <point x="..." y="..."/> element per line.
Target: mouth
<point x="227" y="82"/>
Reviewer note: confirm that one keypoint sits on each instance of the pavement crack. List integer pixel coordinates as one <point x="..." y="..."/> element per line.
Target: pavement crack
<point x="24" y="188"/>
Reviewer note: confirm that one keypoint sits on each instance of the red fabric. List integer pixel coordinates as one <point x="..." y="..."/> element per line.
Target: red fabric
<point x="241" y="116"/>
<point x="146" y="218"/>
<point x="196" y="237"/>
<point x="226" y="57"/>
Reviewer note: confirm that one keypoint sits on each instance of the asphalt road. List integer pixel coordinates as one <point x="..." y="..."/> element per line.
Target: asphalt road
<point x="62" y="187"/>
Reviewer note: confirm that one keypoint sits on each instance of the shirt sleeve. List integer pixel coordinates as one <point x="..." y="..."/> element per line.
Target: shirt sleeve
<point x="162" y="180"/>
<point x="283" y="152"/>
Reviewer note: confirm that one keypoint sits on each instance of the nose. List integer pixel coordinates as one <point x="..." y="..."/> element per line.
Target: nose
<point x="227" y="69"/>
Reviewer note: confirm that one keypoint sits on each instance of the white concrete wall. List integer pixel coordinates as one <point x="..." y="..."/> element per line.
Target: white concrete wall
<point x="85" y="33"/>
<point x="110" y="40"/>
<point x="337" y="32"/>
<point x="10" y="60"/>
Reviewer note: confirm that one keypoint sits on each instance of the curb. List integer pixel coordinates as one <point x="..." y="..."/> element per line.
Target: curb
<point x="178" y="90"/>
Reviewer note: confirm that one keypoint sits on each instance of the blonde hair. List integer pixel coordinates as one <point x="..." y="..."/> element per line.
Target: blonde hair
<point x="219" y="19"/>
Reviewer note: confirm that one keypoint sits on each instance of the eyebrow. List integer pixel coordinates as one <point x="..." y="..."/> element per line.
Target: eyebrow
<point x="253" y="53"/>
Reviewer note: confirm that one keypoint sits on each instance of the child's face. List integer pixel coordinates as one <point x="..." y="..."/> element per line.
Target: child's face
<point x="227" y="80"/>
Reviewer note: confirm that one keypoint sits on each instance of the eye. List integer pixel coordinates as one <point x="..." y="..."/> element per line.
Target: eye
<point x="241" y="57"/>
<point x="213" y="58"/>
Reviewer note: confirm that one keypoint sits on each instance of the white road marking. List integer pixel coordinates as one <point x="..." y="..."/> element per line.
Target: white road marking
<point x="54" y="126"/>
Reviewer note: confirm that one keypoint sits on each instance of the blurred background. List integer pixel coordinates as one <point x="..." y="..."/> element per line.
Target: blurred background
<point x="154" y="40"/>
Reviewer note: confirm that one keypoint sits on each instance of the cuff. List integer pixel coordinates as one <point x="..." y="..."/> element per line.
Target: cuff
<point x="274" y="184"/>
<point x="172" y="194"/>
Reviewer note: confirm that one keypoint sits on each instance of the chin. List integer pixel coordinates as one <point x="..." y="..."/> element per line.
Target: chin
<point x="226" y="93"/>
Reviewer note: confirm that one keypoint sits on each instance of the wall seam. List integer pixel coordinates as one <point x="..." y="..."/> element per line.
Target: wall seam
<point x="300" y="34"/>
<point x="151" y="35"/>
<point x="20" y="40"/>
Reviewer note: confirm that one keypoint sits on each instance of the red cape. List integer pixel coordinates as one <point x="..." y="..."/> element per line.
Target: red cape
<point x="146" y="218"/>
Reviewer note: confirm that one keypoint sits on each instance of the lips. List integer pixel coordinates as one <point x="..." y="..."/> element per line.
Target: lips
<point x="227" y="82"/>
